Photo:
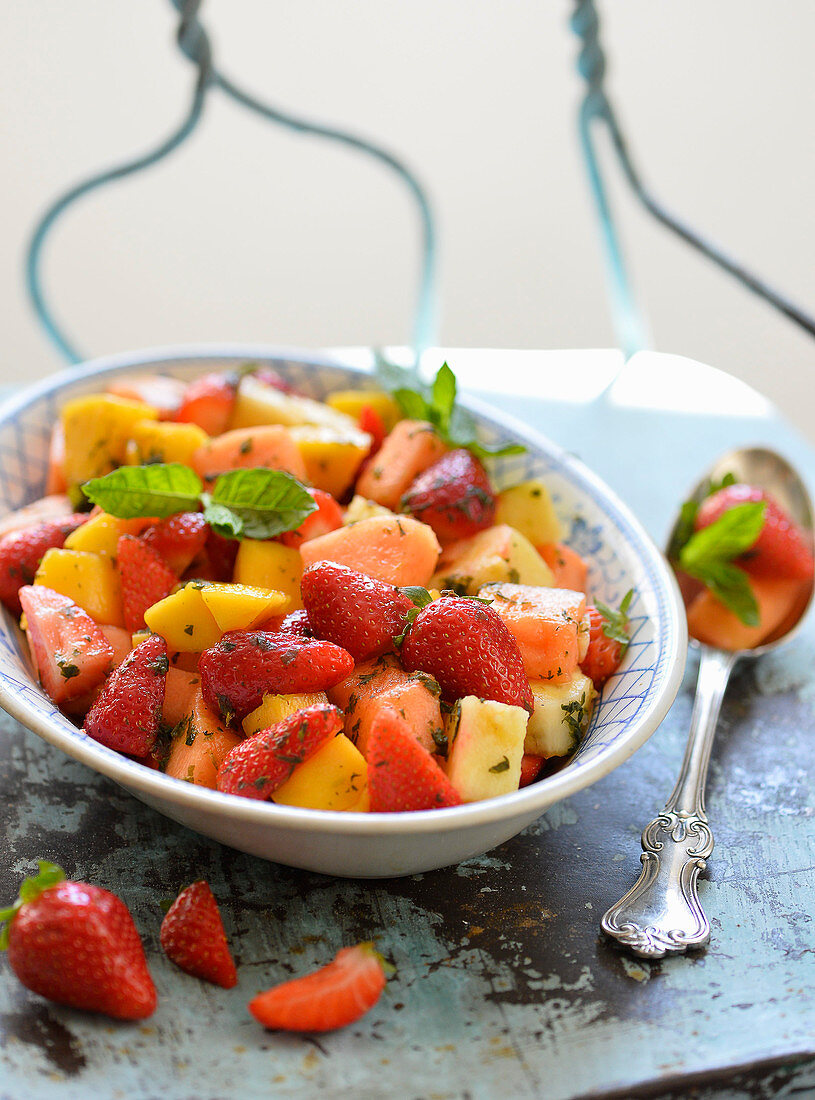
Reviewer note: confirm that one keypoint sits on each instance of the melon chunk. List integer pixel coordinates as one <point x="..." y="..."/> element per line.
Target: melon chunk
<point x="548" y="624"/>
<point x="257" y="403"/>
<point x="568" y="568"/>
<point x="485" y="747"/>
<point x="709" y="621"/>
<point x="383" y="684"/>
<point x="398" y="550"/>
<point x="199" y="745"/>
<point x="407" y="451"/>
<point x="528" y="508"/>
<point x="180" y="691"/>
<point x="334" y="778"/>
<point x="561" y="716"/>
<point x="271" y="446"/>
<point x="497" y="554"/>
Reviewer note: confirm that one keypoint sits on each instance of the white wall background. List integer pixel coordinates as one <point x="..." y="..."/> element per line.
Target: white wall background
<point x="253" y="234"/>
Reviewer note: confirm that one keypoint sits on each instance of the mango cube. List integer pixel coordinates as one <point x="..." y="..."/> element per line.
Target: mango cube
<point x="528" y="508"/>
<point x="275" y="708"/>
<point x="96" y="430"/>
<point x="101" y="534"/>
<point x="265" y="564"/>
<point x="498" y="554"/>
<point x="352" y="402"/>
<point x="91" y="580"/>
<point x="334" y="778"/>
<point x="184" y="620"/>
<point x="332" y="457"/>
<point x="160" y="441"/>
<point x="242" y="607"/>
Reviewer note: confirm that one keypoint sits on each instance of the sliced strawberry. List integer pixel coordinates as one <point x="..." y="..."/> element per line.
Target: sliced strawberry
<point x="402" y="775"/>
<point x="328" y="517"/>
<point x="262" y="763"/>
<point x="604" y="654"/>
<point x="465" y="644"/>
<point x="531" y="766"/>
<point x="127" y="714"/>
<point x="220" y="556"/>
<point x="208" y="402"/>
<point x="146" y="579"/>
<point x="192" y="936"/>
<point x="781" y="551"/>
<point x="331" y="997"/>
<point x="296" y="622"/>
<point x="248" y="664"/>
<point x="371" y="422"/>
<point x="353" y="610"/>
<point x="22" y="551"/>
<point x="71" y="652"/>
<point x="453" y="496"/>
<point x="179" y="539"/>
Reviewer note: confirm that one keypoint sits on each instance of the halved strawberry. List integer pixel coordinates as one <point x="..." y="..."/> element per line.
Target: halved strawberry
<point x="208" y="402"/>
<point x="371" y="422"/>
<point x="353" y="610"/>
<point x="179" y="539"/>
<point x="453" y="496"/>
<point x="127" y="714"/>
<point x="608" y="639"/>
<point x="259" y="765"/>
<point x="193" y="937"/>
<point x="22" y="551"/>
<point x="71" y="652"/>
<point x="328" y="517"/>
<point x="402" y="775"/>
<point x="220" y="554"/>
<point x="146" y="579"/>
<point x="331" y="997"/>
<point x="531" y="766"/>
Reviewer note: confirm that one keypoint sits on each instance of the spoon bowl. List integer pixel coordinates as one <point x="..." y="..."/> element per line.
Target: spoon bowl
<point x="661" y="914"/>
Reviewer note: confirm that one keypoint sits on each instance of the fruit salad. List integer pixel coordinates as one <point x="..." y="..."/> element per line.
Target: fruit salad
<point x="325" y="604"/>
<point x="744" y="566"/>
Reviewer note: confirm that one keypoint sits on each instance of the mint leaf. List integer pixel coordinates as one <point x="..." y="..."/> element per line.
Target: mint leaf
<point x="156" y="490"/>
<point x="417" y="595"/>
<point x="689" y="511"/>
<point x="257" y="504"/>
<point x="615" y="623"/>
<point x="734" y="532"/>
<point x="443" y="398"/>
<point x="731" y="586"/>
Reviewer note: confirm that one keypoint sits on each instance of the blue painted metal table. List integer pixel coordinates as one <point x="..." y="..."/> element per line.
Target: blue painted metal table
<point x="504" y="986"/>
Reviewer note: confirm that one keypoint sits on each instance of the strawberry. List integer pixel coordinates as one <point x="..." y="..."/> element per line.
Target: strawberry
<point x="208" y="402"/>
<point x="146" y="579"/>
<point x="353" y="610"/>
<point x="270" y="377"/>
<point x="193" y="937"/>
<point x="248" y="664"/>
<point x="179" y="539"/>
<point x="328" y="517"/>
<point x="371" y="422"/>
<point x="781" y="550"/>
<point x="402" y="775"/>
<point x="608" y="640"/>
<point x="127" y="714"/>
<point x="163" y="393"/>
<point x="259" y="765"/>
<point x="453" y="496"/>
<point x="465" y="644"/>
<point x="531" y="766"/>
<point x="296" y="622"/>
<point x="71" y="652"/>
<point x="220" y="556"/>
<point x="22" y="551"/>
<point x="76" y="944"/>
<point x="331" y="997"/>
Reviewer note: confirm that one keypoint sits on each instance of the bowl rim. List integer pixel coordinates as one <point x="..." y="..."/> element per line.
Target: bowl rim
<point x="528" y="802"/>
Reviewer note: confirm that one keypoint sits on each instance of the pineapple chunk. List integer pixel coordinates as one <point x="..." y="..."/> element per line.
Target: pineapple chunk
<point x="97" y="429"/>
<point x="485" y="746"/>
<point x="184" y="621"/>
<point x="241" y="607"/>
<point x="159" y="441"/>
<point x="90" y="580"/>
<point x="256" y="404"/>
<point x="332" y="457"/>
<point x="561" y="716"/>
<point x="360" y="508"/>
<point x="334" y="778"/>
<point x="264" y="564"/>
<point x="352" y="402"/>
<point x="497" y="554"/>
<point x="275" y="708"/>
<point x="528" y="508"/>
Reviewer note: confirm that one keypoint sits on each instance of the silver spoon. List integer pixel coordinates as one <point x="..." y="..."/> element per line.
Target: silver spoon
<point x="661" y="914"/>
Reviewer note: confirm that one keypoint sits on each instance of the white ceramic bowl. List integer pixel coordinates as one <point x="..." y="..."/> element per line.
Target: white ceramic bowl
<point x="600" y="527"/>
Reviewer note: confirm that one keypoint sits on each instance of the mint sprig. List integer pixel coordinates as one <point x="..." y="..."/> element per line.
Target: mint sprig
<point x="615" y="623"/>
<point x="257" y="503"/>
<point x="708" y="555"/>
<point x="436" y="403"/>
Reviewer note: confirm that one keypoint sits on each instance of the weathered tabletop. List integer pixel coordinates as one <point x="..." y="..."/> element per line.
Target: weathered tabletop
<point x="504" y="986"/>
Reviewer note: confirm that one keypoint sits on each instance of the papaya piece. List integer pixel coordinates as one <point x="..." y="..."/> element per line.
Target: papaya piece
<point x="199" y="744"/>
<point x="406" y="452"/>
<point x="548" y="625"/>
<point x="398" y="550"/>
<point x="271" y="446"/>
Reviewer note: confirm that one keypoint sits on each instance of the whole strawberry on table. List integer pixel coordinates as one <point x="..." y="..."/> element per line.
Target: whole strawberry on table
<point x="323" y="604"/>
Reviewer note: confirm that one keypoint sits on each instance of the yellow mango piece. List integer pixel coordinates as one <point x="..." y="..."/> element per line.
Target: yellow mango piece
<point x="161" y="441"/>
<point x="332" y="457"/>
<point x="528" y="508"/>
<point x="184" y="620"/>
<point x="334" y="778"/>
<point x="101" y="534"/>
<point x="275" y="708"/>
<point x="96" y="430"/>
<point x="352" y="402"/>
<point x="91" y="580"/>
<point x="240" y="606"/>
<point x="141" y="636"/>
<point x="256" y="403"/>
<point x="264" y="564"/>
<point x="363" y="803"/>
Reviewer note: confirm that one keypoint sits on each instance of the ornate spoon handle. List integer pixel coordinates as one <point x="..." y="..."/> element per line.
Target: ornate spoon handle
<point x="661" y="914"/>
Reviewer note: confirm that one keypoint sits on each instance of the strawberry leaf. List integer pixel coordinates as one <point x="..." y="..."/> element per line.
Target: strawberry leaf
<point x="161" y="490"/>
<point x="49" y="874"/>
<point x="257" y="504"/>
<point x="615" y="623"/>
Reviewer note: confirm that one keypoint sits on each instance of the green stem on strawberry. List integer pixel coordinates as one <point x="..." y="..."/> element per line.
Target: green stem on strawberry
<point x="49" y="874"/>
